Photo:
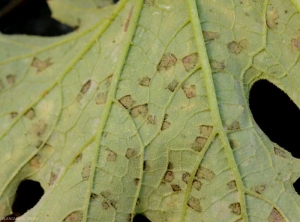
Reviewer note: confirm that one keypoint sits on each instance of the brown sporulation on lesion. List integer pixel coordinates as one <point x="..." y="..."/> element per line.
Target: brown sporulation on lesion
<point x="272" y="17"/>
<point x="275" y="216"/>
<point x="76" y="216"/>
<point x="259" y="188"/>
<point x="194" y="203"/>
<point x="231" y="185"/>
<point x="217" y="65"/>
<point x="111" y="156"/>
<point x="167" y="61"/>
<point x="199" y="143"/>
<point x="172" y="85"/>
<point x="190" y="61"/>
<point x="146" y="166"/>
<point x="53" y="178"/>
<point x="35" y="162"/>
<point x="78" y="159"/>
<point x="281" y="152"/>
<point x="210" y="36"/>
<point x="109" y="203"/>
<point x="145" y="81"/>
<point x="136" y="181"/>
<point x="39" y="128"/>
<point x="169" y="176"/>
<point x="30" y="114"/>
<point x="234" y="126"/>
<point x="86" y="86"/>
<point x="13" y="114"/>
<point x="130" y="153"/>
<point x="175" y="187"/>
<point x="41" y="65"/>
<point x="197" y="184"/>
<point x="189" y="90"/>
<point x="186" y="177"/>
<point x="127" y="101"/>
<point x="205" y="174"/>
<point x="101" y="98"/>
<point x="206" y="130"/>
<point x="86" y="171"/>
<point x="165" y="124"/>
<point x="11" y="79"/>
<point x="93" y="196"/>
<point x="235" y="208"/>
<point x="233" y="144"/>
<point x="139" y="110"/>
<point x="151" y="119"/>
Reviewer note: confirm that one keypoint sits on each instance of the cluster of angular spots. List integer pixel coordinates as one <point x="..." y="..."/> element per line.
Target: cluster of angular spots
<point x="151" y="119"/>
<point x="235" y="208"/>
<point x="217" y="65"/>
<point x="86" y="171"/>
<point x="200" y="141"/>
<point x="275" y="216"/>
<point x="194" y="203"/>
<point x="272" y="16"/>
<point x="53" y="178"/>
<point x="172" y="86"/>
<point x="127" y="101"/>
<point x="75" y="216"/>
<point x="107" y="203"/>
<point x="128" y="19"/>
<point x="234" y="126"/>
<point x="190" y="61"/>
<point x="296" y="41"/>
<point x="145" y="81"/>
<point x="101" y="98"/>
<point x="111" y="156"/>
<point x="30" y="114"/>
<point x="13" y="114"/>
<point x="185" y="177"/>
<point x="189" y="91"/>
<point x="231" y="185"/>
<point x="205" y="174"/>
<point x="139" y="110"/>
<point x="165" y="125"/>
<point x="259" y="189"/>
<point x="41" y="65"/>
<point x="130" y="153"/>
<point x="210" y="36"/>
<point x="236" y="47"/>
<point x="197" y="184"/>
<point x="280" y="152"/>
<point x="167" y="61"/>
<point x="11" y="79"/>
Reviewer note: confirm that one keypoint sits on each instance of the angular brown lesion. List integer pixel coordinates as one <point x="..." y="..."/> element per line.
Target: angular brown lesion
<point x="41" y="65"/>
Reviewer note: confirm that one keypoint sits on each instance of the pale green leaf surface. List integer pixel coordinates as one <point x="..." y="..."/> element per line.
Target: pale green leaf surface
<point x="144" y="109"/>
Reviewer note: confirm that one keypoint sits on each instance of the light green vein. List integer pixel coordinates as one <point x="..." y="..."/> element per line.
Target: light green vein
<point x="212" y="98"/>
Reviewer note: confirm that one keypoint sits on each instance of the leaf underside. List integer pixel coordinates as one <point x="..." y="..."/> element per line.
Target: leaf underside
<point x="144" y="109"/>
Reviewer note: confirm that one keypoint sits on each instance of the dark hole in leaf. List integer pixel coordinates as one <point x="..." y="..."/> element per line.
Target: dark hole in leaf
<point x="297" y="186"/>
<point x="31" y="17"/>
<point x="116" y="1"/>
<point x="276" y="114"/>
<point x="140" y="218"/>
<point x="29" y="192"/>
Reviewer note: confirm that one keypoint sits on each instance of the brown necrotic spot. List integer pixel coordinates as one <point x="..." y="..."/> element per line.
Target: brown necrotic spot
<point x="109" y="203"/>
<point x="175" y="187"/>
<point x="167" y="61"/>
<point x="206" y="130"/>
<point x="101" y="98"/>
<point x="146" y="166"/>
<point x="136" y="181"/>
<point x="128" y="19"/>
<point x="234" y="47"/>
<point x="190" y="61"/>
<point x="199" y="143"/>
<point x="197" y="184"/>
<point x="296" y="41"/>
<point x="233" y="144"/>
<point x="53" y="177"/>
<point x="86" y="87"/>
<point x="170" y="166"/>
<point x="189" y="91"/>
<point x="272" y="16"/>
<point x="78" y="159"/>
<point x="111" y="156"/>
<point x="210" y="36"/>
<point x="169" y="176"/>
<point x="145" y="81"/>
<point x="217" y="65"/>
<point x="185" y="177"/>
<point x="86" y="170"/>
<point x="231" y="185"/>
<point x="105" y="193"/>
<point x="41" y="65"/>
<point x="235" y="208"/>
<point x="11" y="79"/>
<point x="140" y="110"/>
<point x="165" y="125"/>
<point x="280" y="152"/>
<point x="235" y="125"/>
<point x="35" y="161"/>
<point x="39" y="128"/>
<point x="151" y="119"/>
<point x="259" y="189"/>
<point x="205" y="173"/>
<point x="172" y="86"/>
<point x="76" y="216"/>
<point x="275" y="216"/>
<point x="30" y="114"/>
<point x="194" y="203"/>
<point x="13" y="114"/>
<point x="127" y="101"/>
<point x="93" y="196"/>
<point x="130" y="152"/>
